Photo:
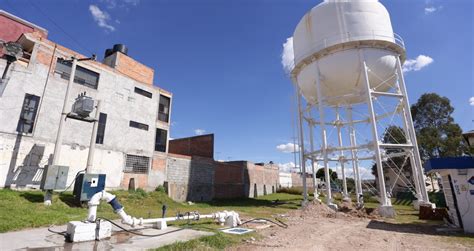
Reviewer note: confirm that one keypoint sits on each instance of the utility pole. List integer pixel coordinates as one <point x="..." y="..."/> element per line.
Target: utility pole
<point x="59" y="137"/>
<point x="90" y="156"/>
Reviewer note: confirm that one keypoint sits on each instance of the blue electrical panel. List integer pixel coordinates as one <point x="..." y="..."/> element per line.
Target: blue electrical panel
<point x="86" y="185"/>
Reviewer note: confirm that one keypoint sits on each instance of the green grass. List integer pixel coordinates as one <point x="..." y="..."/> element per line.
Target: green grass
<point x="20" y="210"/>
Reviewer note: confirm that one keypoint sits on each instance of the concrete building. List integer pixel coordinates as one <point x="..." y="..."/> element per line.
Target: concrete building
<point x="457" y="176"/>
<point x="132" y="139"/>
<point x="194" y="175"/>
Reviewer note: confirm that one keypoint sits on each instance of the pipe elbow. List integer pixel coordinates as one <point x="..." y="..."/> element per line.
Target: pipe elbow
<point x="102" y="195"/>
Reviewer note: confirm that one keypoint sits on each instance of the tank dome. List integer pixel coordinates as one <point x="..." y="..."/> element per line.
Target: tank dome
<point x="332" y="39"/>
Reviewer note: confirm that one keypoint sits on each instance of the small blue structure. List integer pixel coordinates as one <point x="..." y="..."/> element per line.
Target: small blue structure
<point x="457" y="179"/>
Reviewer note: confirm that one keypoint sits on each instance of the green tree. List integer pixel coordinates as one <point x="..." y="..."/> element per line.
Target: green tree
<point x="394" y="135"/>
<point x="320" y="174"/>
<point x="437" y="134"/>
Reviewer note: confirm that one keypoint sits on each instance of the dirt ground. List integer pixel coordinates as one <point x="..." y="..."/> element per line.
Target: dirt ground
<point x="319" y="228"/>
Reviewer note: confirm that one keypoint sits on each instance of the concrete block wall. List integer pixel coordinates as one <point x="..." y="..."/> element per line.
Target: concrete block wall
<point x="190" y="178"/>
<point x="119" y="102"/>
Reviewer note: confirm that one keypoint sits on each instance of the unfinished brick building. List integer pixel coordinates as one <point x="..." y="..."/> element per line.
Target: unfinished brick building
<point x="193" y="174"/>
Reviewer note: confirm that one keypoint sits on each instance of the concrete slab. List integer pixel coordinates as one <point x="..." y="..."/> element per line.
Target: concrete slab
<point x="42" y="239"/>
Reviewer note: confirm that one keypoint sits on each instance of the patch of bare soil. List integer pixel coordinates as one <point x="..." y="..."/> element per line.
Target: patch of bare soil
<point x="318" y="227"/>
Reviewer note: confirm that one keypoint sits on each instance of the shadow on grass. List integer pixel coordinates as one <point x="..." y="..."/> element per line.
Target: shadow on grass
<point x="69" y="200"/>
<point x="33" y="197"/>
<point x="416" y="228"/>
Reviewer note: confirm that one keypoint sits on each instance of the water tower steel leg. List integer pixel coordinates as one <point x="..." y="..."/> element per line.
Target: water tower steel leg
<point x="324" y="139"/>
<point x="414" y="170"/>
<point x="341" y="156"/>
<point x="411" y="130"/>
<point x="303" y="158"/>
<point x="311" y="145"/>
<point x="385" y="203"/>
<point x="355" y="160"/>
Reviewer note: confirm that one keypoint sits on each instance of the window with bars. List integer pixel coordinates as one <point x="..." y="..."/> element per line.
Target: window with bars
<point x="83" y="76"/>
<point x="160" y="140"/>
<point x="143" y="92"/>
<point x="136" y="164"/>
<point x="164" y="109"/>
<point x="28" y="114"/>
<point x="138" y="125"/>
<point x="101" y="129"/>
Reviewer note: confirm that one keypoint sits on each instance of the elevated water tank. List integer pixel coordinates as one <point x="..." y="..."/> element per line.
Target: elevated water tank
<point x="333" y="37"/>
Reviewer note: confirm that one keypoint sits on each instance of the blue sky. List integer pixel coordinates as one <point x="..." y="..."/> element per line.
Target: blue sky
<point x="222" y="59"/>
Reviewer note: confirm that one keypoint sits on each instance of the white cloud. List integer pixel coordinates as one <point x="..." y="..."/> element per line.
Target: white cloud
<point x="288" y="148"/>
<point x="471" y="101"/>
<point x="417" y="64"/>
<point x="288" y="167"/>
<point x="365" y="173"/>
<point x="287" y="55"/>
<point x="432" y="9"/>
<point x="101" y="17"/>
<point x="199" y="131"/>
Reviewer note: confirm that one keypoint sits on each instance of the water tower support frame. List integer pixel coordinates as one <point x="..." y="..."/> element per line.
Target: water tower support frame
<point x="385" y="208"/>
<point x="311" y="146"/>
<point x="355" y="160"/>
<point x="342" y="160"/>
<point x="301" y="146"/>
<point x="415" y="158"/>
<point x="322" y="126"/>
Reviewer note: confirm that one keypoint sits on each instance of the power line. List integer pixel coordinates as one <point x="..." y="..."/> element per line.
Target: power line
<point x="60" y="28"/>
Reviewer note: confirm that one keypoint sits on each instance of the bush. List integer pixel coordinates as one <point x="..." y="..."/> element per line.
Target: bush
<point x="137" y="194"/>
<point x="437" y="198"/>
<point x="160" y="188"/>
<point x="294" y="190"/>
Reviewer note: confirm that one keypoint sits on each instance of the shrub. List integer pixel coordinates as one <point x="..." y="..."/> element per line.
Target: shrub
<point x="160" y="188"/>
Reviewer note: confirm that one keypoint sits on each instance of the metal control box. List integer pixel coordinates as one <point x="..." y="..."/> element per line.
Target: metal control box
<point x="86" y="185"/>
<point x="54" y="177"/>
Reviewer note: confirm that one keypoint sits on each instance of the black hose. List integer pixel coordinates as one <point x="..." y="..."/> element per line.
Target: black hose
<point x="74" y="180"/>
<point x="63" y="233"/>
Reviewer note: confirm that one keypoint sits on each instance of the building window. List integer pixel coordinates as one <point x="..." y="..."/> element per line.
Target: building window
<point x="101" y="129"/>
<point x="28" y="114"/>
<point x="143" y="92"/>
<point x="138" y="125"/>
<point x="160" y="140"/>
<point x="164" y="109"/>
<point x="136" y="164"/>
<point x="83" y="76"/>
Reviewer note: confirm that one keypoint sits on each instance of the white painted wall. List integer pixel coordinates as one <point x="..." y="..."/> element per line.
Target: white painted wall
<point x="464" y="192"/>
<point x="119" y="102"/>
<point x="285" y="180"/>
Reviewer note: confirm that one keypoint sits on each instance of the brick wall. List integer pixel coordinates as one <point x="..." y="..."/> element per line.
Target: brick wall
<point x="229" y="180"/>
<point x="190" y="178"/>
<point x="11" y="29"/>
<point x="202" y="146"/>
<point x="132" y="68"/>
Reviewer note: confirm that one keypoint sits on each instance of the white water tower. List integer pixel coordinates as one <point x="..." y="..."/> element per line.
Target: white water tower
<point x="348" y="58"/>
